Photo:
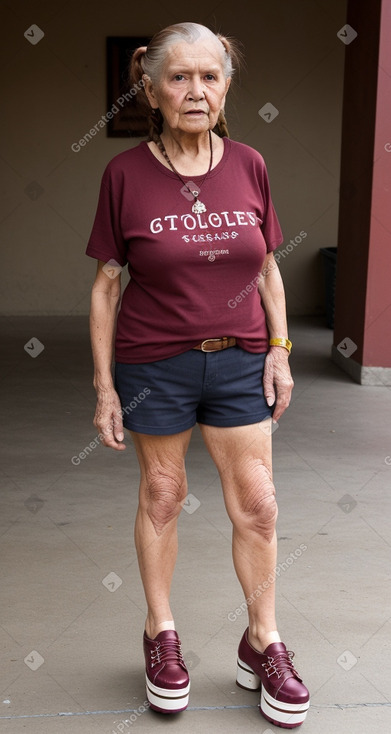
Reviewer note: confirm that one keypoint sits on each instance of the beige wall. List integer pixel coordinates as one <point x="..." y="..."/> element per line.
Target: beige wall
<point x="54" y="92"/>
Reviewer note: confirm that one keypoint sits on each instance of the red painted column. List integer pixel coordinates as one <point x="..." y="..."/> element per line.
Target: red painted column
<point x="362" y="330"/>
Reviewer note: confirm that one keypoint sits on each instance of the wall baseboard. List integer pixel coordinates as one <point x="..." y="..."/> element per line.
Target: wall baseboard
<point x="363" y="375"/>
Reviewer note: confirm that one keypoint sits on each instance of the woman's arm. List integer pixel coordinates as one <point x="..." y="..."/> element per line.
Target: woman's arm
<point x="277" y="379"/>
<point x="105" y="298"/>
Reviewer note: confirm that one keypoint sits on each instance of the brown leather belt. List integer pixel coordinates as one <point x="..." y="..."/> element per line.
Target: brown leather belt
<point x="216" y="345"/>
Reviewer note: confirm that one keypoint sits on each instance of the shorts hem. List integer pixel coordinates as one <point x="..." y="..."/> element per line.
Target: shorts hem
<point x="160" y="430"/>
<point x="245" y="420"/>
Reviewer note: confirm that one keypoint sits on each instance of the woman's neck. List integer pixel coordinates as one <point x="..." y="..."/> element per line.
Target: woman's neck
<point x="192" y="160"/>
<point x="182" y="145"/>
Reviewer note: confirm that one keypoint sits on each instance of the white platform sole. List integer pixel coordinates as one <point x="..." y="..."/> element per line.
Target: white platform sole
<point x="286" y="715"/>
<point x="246" y="678"/>
<point x="167" y="700"/>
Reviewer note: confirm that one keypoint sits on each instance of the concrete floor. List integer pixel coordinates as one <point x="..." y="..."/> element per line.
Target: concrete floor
<point x="72" y="603"/>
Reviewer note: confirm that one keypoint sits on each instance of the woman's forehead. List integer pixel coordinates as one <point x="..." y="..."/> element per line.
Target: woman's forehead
<point x="202" y="51"/>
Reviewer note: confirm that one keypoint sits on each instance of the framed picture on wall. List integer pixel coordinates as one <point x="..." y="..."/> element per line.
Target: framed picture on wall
<point x="123" y="118"/>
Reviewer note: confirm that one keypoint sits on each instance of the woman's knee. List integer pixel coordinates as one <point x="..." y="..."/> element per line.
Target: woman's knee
<point x="162" y="496"/>
<point x="257" y="498"/>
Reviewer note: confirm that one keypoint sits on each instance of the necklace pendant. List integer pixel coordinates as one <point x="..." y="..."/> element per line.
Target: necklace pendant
<point x="198" y="207"/>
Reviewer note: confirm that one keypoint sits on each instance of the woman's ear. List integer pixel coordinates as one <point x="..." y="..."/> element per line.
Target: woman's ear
<point x="149" y="91"/>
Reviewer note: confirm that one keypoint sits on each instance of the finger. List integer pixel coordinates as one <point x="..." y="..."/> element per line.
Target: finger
<point x="268" y="388"/>
<point x="118" y="429"/>
<point x="109" y="439"/>
<point x="270" y="396"/>
<point x="279" y="410"/>
<point x="112" y="443"/>
<point x="282" y="403"/>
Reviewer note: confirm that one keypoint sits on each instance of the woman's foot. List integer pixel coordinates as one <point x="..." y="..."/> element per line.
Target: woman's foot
<point x="167" y="679"/>
<point x="284" y="698"/>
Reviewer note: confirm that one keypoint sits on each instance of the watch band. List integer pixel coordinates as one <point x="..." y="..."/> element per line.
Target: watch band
<point x="281" y="342"/>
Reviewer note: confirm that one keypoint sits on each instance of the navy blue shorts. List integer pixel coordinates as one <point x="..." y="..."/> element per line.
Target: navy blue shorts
<point x="215" y="388"/>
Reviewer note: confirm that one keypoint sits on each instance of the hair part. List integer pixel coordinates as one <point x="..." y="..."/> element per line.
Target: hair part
<point x="149" y="60"/>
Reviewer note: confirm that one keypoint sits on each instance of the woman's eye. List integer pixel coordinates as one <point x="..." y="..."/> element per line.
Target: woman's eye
<point x="181" y="77"/>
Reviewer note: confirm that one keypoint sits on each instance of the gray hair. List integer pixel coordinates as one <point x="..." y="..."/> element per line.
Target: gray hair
<point x="156" y="53"/>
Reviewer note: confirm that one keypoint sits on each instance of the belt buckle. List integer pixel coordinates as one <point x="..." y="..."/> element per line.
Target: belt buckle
<point x="216" y="339"/>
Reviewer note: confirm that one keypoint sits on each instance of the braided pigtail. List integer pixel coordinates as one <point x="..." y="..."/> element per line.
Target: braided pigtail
<point x="234" y="54"/>
<point x="136" y="69"/>
<point x="234" y="58"/>
<point x="137" y="77"/>
<point x="155" y="125"/>
<point x="221" y="127"/>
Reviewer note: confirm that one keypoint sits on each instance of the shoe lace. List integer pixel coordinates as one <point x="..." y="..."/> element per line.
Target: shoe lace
<point x="280" y="664"/>
<point x="169" y="651"/>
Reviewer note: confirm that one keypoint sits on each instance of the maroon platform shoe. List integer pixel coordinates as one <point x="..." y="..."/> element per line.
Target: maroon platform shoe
<point x="167" y="679"/>
<point x="284" y="699"/>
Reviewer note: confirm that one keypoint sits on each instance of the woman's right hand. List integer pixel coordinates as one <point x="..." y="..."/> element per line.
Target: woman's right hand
<point x="108" y="419"/>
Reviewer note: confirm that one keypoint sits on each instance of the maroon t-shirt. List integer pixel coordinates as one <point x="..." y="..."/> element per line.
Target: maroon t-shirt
<point x="192" y="276"/>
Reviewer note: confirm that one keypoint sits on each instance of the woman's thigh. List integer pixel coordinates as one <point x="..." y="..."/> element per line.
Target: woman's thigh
<point x="163" y="485"/>
<point x="161" y="455"/>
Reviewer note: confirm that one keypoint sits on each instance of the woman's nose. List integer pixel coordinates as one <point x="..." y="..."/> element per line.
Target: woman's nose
<point x="196" y="89"/>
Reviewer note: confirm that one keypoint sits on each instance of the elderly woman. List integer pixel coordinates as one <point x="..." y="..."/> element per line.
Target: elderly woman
<point x="201" y="337"/>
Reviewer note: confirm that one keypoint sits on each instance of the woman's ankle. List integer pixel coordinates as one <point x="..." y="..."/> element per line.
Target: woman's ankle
<point x="261" y="639"/>
<point x="152" y="628"/>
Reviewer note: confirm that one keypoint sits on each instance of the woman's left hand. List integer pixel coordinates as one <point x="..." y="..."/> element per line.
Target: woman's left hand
<point x="277" y="380"/>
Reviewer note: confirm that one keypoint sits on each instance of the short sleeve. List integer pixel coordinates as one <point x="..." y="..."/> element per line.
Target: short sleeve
<point x="270" y="226"/>
<point x="106" y="240"/>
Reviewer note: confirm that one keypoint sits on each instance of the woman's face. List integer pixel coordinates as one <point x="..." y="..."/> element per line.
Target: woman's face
<point x="192" y="88"/>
